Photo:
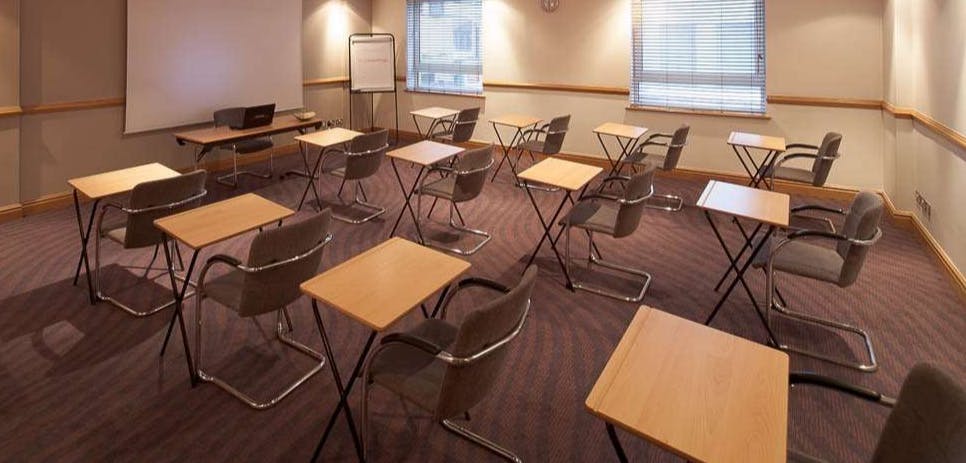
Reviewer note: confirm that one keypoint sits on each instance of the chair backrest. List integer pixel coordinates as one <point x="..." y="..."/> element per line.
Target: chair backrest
<point x="861" y="223"/>
<point x="828" y="152"/>
<point x="556" y="132"/>
<point x="465" y="124"/>
<point x="465" y="385"/>
<point x="273" y="288"/>
<point x="928" y="423"/>
<point x="162" y="198"/>
<point x="674" y="149"/>
<point x="471" y="168"/>
<point x="365" y="154"/>
<point x="631" y="204"/>
<point x="230" y="117"/>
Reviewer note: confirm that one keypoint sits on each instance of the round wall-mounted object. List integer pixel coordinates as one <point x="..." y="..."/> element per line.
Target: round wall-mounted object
<point x="549" y="5"/>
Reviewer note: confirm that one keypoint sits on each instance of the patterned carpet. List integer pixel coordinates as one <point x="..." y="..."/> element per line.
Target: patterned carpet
<point x="85" y="383"/>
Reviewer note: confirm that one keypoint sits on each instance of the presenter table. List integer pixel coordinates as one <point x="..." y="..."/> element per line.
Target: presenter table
<point x="204" y="226"/>
<point x="772" y="146"/>
<point x="424" y="154"/>
<point x="520" y="123"/>
<point x="435" y="115"/>
<point x="627" y="136"/>
<point x="567" y="176"/>
<point x="703" y="394"/>
<point x="323" y="140"/>
<point x="208" y="138"/>
<point x="401" y="276"/>
<point x="741" y="202"/>
<point x="100" y="186"/>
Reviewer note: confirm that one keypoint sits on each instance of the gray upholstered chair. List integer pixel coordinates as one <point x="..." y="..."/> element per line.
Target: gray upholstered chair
<point x="546" y="140"/>
<point x="148" y="201"/>
<point x="667" y="162"/>
<point x="446" y="368"/>
<point x="822" y="158"/>
<point x="233" y="117"/>
<point x="279" y="260"/>
<point x="926" y="424"/>
<point x="839" y="266"/>
<point x="361" y="161"/>
<point x="616" y="217"/>
<point x="459" y="130"/>
<point x="460" y="183"/>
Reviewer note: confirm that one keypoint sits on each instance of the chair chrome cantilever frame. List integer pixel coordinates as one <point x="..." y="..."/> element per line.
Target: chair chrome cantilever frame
<point x="455" y="363"/>
<point x="153" y="212"/>
<point x="632" y="202"/>
<point x="227" y="116"/>
<point x="474" y="177"/>
<point x="777" y="306"/>
<point x="280" y="331"/>
<point x="367" y="162"/>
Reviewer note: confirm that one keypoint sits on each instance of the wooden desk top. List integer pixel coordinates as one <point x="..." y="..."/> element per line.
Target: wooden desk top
<point x="764" y="206"/>
<point x="516" y="120"/>
<point x="207" y="225"/>
<point x="751" y="140"/>
<point x="425" y="152"/>
<point x="120" y="181"/>
<point x="435" y="112"/>
<point x="379" y="286"/>
<point x="224" y="134"/>
<point x="701" y="393"/>
<point x="562" y="174"/>
<point x="620" y="130"/>
<point x="328" y="137"/>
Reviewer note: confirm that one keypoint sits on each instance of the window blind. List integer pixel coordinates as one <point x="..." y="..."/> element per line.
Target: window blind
<point x="699" y="55"/>
<point x="444" y="52"/>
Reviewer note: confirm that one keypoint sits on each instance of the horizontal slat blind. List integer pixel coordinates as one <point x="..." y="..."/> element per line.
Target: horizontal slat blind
<point x="699" y="54"/>
<point x="444" y="51"/>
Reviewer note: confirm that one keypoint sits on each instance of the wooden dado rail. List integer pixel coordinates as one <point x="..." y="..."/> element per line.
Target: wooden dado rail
<point x="937" y="127"/>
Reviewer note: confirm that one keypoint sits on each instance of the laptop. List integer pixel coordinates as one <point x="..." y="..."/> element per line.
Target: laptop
<point x="257" y="116"/>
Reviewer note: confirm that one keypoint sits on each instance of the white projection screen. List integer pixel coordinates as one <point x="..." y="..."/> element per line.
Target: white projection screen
<point x="188" y="58"/>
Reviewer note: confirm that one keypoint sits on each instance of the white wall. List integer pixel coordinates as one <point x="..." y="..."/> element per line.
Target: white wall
<point x="819" y="48"/>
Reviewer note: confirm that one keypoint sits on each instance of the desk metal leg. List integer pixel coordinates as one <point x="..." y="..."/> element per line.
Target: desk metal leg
<point x="749" y="242"/>
<point x="506" y="153"/>
<point x="546" y="233"/>
<point x="307" y="168"/>
<point x="766" y="165"/>
<point x="179" y="304"/>
<point x="343" y="391"/>
<point x="626" y="148"/>
<point x="310" y="184"/>
<point x="408" y="196"/>
<point x="618" y="449"/>
<point x="85" y="237"/>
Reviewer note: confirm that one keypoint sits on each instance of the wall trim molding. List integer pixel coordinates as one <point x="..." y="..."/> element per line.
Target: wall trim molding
<point x="935" y="126"/>
<point x="825" y="102"/>
<point x="326" y="81"/>
<point x="72" y="106"/>
<point x="6" y="111"/>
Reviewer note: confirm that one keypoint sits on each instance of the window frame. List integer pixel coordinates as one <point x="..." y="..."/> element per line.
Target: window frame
<point x="416" y="69"/>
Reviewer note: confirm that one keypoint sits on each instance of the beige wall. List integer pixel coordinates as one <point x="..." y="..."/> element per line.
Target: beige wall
<point x="924" y="69"/>
<point x="819" y="48"/>
<point x="9" y="96"/>
<point x="74" y="50"/>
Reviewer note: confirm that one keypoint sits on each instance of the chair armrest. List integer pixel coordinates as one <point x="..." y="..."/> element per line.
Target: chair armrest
<point x="224" y="259"/>
<point x="800" y="234"/>
<point x="801" y="146"/>
<point x="658" y="135"/>
<point x="817" y="207"/>
<point x="471" y="282"/>
<point x="815" y="379"/>
<point x="411" y="340"/>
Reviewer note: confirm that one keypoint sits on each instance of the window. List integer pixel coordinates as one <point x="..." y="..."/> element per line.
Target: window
<point x="444" y="53"/>
<point x="704" y="55"/>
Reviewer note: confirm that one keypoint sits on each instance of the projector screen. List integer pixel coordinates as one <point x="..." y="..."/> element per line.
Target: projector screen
<point x="188" y="58"/>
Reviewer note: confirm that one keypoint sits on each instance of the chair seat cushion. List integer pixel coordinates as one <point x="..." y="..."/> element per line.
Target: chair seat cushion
<point x="793" y="174"/>
<point x="249" y="146"/>
<point x="226" y="289"/>
<point x="804" y="259"/>
<point x="534" y="146"/>
<point x="334" y="165"/>
<point x="443" y="188"/>
<point x="410" y="372"/>
<point x="117" y="234"/>
<point x="642" y="157"/>
<point x="594" y="216"/>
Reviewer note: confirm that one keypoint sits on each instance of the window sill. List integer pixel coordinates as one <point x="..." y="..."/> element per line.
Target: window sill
<point x="429" y="92"/>
<point x="698" y="112"/>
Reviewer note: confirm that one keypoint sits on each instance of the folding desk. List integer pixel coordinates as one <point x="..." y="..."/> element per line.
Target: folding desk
<point x="772" y="146"/>
<point x="377" y="288"/>
<point x="208" y="138"/>
<point x="520" y="123"/>
<point x="100" y="186"/>
<point x="204" y="226"/>
<point x="436" y="115"/>
<point x="700" y="393"/>
<point x="567" y="176"/>
<point x="424" y="154"/>
<point x="324" y="139"/>
<point x="741" y="202"/>
<point x="627" y="136"/>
